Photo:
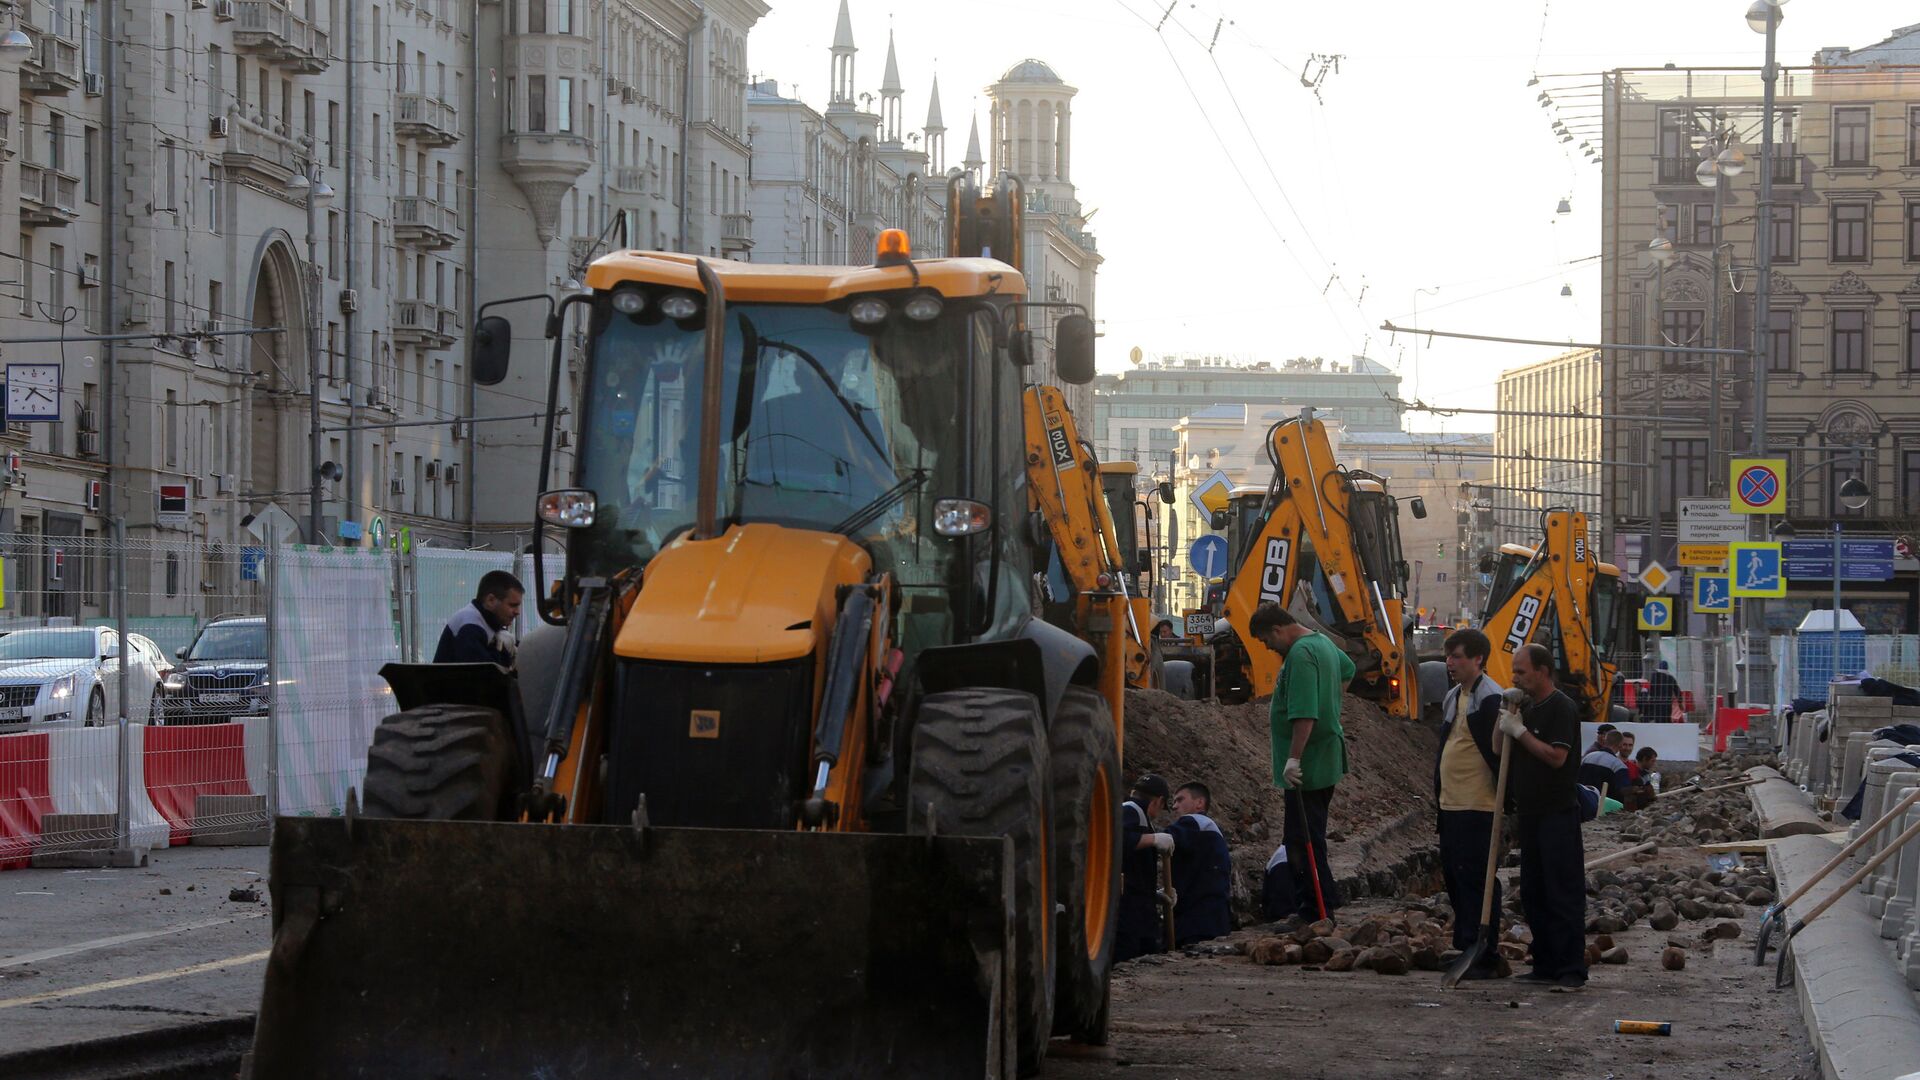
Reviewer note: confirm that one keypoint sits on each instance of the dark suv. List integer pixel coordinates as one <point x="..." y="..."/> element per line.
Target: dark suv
<point x="222" y="676"/>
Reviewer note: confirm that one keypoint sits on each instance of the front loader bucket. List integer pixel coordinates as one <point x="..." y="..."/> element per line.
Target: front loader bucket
<point x="453" y="949"/>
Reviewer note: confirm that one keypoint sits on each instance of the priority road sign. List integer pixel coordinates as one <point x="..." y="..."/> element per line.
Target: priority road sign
<point x="1212" y="495"/>
<point x="1655" y="577"/>
<point x="1759" y="486"/>
<point x="1656" y="613"/>
<point x="1757" y="569"/>
<point x="1712" y="594"/>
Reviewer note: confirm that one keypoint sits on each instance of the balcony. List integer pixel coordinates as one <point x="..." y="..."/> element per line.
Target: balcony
<point x="630" y="179"/>
<point x="425" y="223"/>
<point x="255" y="151"/>
<point x="48" y="197"/>
<point x="736" y="233"/>
<point x="1676" y="170"/>
<point x="54" y="67"/>
<point x="423" y="324"/>
<point x="428" y="121"/>
<point x="270" y="31"/>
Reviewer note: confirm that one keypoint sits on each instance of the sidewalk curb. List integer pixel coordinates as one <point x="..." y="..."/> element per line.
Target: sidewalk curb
<point x="176" y="1050"/>
<point x="1864" y="1022"/>
<point x="1782" y="808"/>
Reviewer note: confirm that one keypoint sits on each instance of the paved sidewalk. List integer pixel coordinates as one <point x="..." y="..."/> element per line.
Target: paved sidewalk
<point x="88" y="954"/>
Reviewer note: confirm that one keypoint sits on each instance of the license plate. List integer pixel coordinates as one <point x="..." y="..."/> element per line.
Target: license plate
<point x="12" y="714"/>
<point x="220" y="699"/>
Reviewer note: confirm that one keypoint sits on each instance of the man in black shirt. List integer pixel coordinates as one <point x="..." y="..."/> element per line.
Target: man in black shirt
<point x="1540" y="793"/>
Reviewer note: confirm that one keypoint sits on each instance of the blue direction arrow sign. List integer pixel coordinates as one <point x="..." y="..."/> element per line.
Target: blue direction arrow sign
<point x="1208" y="556"/>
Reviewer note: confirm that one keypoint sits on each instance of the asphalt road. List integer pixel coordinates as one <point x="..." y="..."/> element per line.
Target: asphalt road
<point x="91" y="954"/>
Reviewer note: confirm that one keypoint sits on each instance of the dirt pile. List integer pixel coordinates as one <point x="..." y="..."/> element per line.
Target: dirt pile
<point x="1663" y="898"/>
<point x="1389" y="943"/>
<point x="1691" y="814"/>
<point x="1381" y="827"/>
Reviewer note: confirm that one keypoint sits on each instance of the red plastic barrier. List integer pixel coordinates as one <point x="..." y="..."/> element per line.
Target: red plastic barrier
<point x="187" y="761"/>
<point x="1728" y="721"/>
<point x="26" y="794"/>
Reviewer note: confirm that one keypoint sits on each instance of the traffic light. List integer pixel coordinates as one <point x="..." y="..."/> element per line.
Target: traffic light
<point x="1440" y="550"/>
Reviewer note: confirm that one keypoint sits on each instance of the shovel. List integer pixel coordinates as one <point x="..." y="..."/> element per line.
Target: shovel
<point x="1488" y="924"/>
<point x="1783" y="974"/>
<point x="1771" y="919"/>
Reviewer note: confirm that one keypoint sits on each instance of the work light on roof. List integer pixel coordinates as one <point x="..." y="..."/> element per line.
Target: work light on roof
<point x="629" y="301"/>
<point x="868" y="310"/>
<point x="680" y="305"/>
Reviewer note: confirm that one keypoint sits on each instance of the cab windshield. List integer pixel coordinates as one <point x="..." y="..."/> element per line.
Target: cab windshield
<point x="825" y="426"/>
<point x="1606" y="602"/>
<point x="1509" y="572"/>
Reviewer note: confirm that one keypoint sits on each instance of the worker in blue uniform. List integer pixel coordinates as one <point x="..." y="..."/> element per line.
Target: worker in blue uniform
<point x="1140" y="930"/>
<point x="1202" y="869"/>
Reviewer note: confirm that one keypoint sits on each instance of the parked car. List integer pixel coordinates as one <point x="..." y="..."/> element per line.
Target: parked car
<point x="70" y="675"/>
<point x="222" y="676"/>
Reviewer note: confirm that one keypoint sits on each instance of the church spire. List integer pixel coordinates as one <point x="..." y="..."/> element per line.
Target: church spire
<point x="890" y="98"/>
<point x="843" y="50"/>
<point x="973" y="160"/>
<point x="936" y="133"/>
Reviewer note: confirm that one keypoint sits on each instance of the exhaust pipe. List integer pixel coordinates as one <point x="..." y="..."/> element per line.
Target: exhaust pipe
<point x="706" y="520"/>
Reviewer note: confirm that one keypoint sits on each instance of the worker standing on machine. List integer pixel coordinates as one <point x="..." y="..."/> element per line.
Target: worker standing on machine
<point x="1141" y="931"/>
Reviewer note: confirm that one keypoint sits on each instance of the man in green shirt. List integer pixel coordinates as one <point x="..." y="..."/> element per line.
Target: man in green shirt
<point x="1305" y="720"/>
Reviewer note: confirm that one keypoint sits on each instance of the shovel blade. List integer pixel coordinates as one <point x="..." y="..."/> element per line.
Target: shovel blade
<point x="1465" y="962"/>
<point x="433" y="948"/>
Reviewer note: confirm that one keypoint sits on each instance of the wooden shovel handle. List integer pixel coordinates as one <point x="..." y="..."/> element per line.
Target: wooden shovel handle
<point x="1505" y="748"/>
<point x="1859" y="875"/>
<point x="1858" y="842"/>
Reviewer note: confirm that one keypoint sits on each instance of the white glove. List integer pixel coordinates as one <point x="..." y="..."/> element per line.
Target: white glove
<point x="1163" y="841"/>
<point x="1511" y="725"/>
<point x="1291" y="774"/>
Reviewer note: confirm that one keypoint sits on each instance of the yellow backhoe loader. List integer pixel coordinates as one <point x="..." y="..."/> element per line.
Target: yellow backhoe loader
<point x="1136" y="529"/>
<point x="797" y="785"/>
<point x="1325" y="544"/>
<point x="1561" y="595"/>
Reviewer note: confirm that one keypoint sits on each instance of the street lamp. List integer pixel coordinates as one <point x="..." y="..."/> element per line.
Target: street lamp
<point x="1764" y="16"/>
<point x="15" y="47"/>
<point x="314" y="193"/>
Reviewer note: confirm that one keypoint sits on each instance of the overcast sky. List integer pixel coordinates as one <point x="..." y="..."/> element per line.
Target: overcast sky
<point x="1241" y="215"/>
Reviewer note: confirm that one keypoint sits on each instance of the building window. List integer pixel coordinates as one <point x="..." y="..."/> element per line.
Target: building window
<point x="170" y="447"/>
<point x="1913" y="232"/>
<point x="1786" y="233"/>
<point x="1910" y="478"/>
<point x="1685" y="465"/>
<point x="1848" y="242"/>
<point x="1702" y="225"/>
<point x="564" y="110"/>
<point x="1850" y="340"/>
<point x="1852" y="126"/>
<point x="1913" y="135"/>
<point x="1682" y="326"/>
<point x="536" y="100"/>
<point x="536" y="16"/>
<point x="1780" y="339"/>
<point x="565" y="21"/>
<point x="1913" y="341"/>
<point x="89" y="157"/>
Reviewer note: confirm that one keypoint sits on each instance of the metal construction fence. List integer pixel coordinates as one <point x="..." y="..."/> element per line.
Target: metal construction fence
<point x="249" y="683"/>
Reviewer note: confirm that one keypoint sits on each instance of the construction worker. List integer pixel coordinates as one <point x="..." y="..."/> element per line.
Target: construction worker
<point x="1662" y="694"/>
<point x="1140" y="930"/>
<point x="1463" y="785"/>
<point x="1202" y="868"/>
<point x="1304" y="725"/>
<point x="482" y="632"/>
<point x="1542" y="735"/>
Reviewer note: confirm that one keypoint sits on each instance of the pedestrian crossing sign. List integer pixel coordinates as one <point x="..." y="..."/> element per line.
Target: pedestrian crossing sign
<point x="1656" y="613"/>
<point x="1712" y="594"/>
<point x="1757" y="569"/>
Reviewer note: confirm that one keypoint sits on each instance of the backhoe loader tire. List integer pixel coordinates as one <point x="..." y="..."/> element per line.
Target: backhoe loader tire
<point x="1086" y="858"/>
<point x="440" y="762"/>
<point x="980" y="765"/>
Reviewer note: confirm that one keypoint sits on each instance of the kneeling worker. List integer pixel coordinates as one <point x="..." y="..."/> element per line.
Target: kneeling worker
<point x="1140" y="930"/>
<point x="1202" y="869"/>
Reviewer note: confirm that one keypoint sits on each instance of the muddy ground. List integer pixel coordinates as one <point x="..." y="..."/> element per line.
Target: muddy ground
<point x="1216" y="1013"/>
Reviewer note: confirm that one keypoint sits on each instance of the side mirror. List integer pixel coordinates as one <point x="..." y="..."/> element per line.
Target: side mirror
<point x="1218" y="521"/>
<point x="180" y="653"/>
<point x="1020" y="348"/>
<point x="492" y="349"/>
<point x="1038" y="535"/>
<point x="1073" y="349"/>
<point x="1486" y="564"/>
<point x="1419" y="507"/>
<point x="1166" y="492"/>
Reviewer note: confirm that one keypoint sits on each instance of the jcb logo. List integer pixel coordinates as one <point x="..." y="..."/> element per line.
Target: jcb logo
<point x="1580" y="549"/>
<point x="1523" y="621"/>
<point x="1057" y="441"/>
<point x="1273" y="575"/>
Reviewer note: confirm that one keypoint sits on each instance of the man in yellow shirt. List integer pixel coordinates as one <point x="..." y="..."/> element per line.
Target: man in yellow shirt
<point x="1463" y="781"/>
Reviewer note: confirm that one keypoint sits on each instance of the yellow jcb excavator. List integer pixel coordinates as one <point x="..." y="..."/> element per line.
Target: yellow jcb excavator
<point x="1135" y="523"/>
<point x="1561" y="595"/>
<point x="797" y="785"/>
<point x="1327" y="547"/>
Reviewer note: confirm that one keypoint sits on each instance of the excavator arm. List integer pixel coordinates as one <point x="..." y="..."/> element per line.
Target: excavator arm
<point x="1552" y="602"/>
<point x="1312" y="506"/>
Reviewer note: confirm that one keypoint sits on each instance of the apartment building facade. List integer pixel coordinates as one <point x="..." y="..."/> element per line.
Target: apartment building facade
<point x="1546" y="455"/>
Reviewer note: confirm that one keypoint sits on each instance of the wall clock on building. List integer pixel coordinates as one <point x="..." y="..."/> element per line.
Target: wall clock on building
<point x="33" y="392"/>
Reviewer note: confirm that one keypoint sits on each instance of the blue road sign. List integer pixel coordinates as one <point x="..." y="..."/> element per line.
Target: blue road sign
<point x="1656" y="613"/>
<point x="1757" y="569"/>
<point x="1208" y="556"/>
<point x="1712" y="594"/>
<point x="1860" y="560"/>
<point x="251" y="559"/>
